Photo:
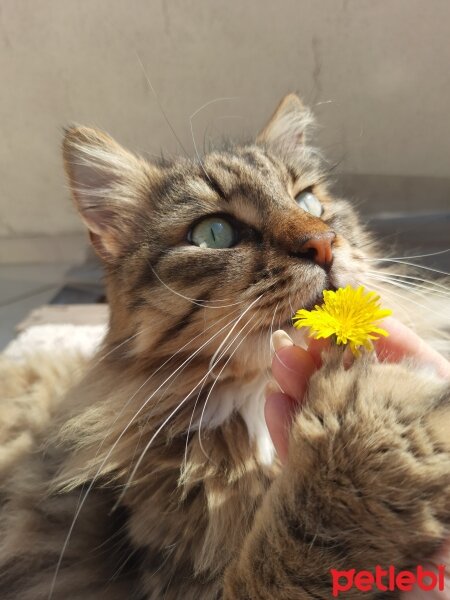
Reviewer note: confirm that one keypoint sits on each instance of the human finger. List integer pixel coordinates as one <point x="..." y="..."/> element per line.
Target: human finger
<point x="292" y="366"/>
<point x="403" y="342"/>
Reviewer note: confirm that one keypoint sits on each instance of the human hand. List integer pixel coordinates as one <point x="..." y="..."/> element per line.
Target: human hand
<point x="292" y="368"/>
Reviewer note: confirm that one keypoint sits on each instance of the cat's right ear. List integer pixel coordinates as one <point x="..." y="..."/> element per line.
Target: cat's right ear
<point x="107" y="184"/>
<point x="288" y="126"/>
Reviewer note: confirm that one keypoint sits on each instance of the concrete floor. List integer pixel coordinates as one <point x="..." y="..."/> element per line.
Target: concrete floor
<point x="22" y="288"/>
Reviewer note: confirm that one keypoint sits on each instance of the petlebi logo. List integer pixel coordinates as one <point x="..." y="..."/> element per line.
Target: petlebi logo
<point x="387" y="580"/>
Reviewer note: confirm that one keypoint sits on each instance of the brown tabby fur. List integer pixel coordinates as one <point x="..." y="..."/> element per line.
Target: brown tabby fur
<point x="152" y="477"/>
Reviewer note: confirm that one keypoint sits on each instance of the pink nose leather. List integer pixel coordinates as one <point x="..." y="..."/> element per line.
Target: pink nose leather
<point x="320" y="248"/>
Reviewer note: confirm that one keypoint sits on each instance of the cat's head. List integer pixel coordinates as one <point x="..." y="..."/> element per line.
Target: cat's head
<point x="189" y="246"/>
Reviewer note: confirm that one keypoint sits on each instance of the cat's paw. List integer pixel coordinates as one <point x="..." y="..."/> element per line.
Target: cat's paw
<point x="369" y="463"/>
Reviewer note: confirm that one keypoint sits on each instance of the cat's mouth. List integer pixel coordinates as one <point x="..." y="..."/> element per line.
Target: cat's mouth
<point x="318" y="300"/>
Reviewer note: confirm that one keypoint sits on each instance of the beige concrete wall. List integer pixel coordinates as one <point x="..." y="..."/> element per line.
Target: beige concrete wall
<point x="376" y="71"/>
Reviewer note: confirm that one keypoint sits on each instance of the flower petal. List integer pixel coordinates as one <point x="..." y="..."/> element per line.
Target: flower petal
<point x="347" y="313"/>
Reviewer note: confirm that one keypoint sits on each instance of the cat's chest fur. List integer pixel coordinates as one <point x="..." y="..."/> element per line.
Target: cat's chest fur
<point x="239" y="388"/>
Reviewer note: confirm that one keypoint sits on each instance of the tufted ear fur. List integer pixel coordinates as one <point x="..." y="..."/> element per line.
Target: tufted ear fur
<point x="107" y="183"/>
<point x="287" y="128"/>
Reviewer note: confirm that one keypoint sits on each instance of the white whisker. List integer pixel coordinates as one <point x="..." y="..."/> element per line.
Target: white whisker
<point x="104" y="461"/>
<point x="402" y="296"/>
<point x="176" y="409"/>
<point x="202" y="303"/>
<point x="191" y="118"/>
<point x="215" y="381"/>
<point x="409" y="264"/>
<point x="212" y="365"/>
<point x="271" y="346"/>
<point x="411" y="286"/>
<point x="429" y="282"/>
<point x="214" y="356"/>
<point x="420" y="255"/>
<point x="147" y="78"/>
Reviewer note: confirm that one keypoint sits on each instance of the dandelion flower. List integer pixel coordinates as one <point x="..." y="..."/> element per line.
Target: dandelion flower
<point x="348" y="314"/>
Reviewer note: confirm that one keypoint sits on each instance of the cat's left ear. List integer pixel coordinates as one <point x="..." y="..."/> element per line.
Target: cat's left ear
<point x="288" y="126"/>
<point x="109" y="185"/>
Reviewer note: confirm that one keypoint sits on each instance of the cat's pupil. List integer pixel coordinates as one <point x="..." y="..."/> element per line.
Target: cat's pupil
<point x="218" y="225"/>
<point x="213" y="232"/>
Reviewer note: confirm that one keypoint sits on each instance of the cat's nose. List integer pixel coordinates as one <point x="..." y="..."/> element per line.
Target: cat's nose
<point x="319" y="249"/>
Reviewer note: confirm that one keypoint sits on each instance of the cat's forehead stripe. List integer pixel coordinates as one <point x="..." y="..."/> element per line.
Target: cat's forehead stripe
<point x="249" y="174"/>
<point x="258" y="161"/>
<point x="251" y="181"/>
<point x="198" y="187"/>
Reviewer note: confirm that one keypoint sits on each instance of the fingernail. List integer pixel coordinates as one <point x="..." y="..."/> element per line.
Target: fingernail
<point x="271" y="388"/>
<point x="280" y="339"/>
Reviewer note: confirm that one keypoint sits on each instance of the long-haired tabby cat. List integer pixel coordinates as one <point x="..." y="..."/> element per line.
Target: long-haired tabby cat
<point x="154" y="476"/>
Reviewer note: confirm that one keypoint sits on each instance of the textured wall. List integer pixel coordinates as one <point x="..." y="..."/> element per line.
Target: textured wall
<point x="377" y="72"/>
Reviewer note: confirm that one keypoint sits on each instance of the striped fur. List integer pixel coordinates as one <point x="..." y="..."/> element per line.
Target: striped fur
<point x="154" y="476"/>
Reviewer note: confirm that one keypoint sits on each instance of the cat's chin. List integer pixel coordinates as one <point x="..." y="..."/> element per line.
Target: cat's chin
<point x="318" y="300"/>
<point x="309" y="305"/>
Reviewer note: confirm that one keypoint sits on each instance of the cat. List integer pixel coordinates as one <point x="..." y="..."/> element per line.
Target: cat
<point x="148" y="472"/>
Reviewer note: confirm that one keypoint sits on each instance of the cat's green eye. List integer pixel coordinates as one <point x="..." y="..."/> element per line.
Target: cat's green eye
<point x="310" y="203"/>
<point x="213" y="232"/>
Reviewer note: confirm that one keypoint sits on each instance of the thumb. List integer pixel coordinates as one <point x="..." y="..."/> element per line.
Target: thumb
<point x="291" y="367"/>
<point x="279" y="412"/>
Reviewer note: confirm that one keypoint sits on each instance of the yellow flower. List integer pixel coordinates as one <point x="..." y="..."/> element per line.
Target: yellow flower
<point x="349" y="314"/>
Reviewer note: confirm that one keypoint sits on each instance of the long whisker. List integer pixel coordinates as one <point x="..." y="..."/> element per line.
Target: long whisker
<point x="104" y="461"/>
<point x="212" y="367"/>
<point x="441" y="291"/>
<point x="420" y="255"/>
<point x="402" y="296"/>
<point x="264" y="347"/>
<point x="389" y="293"/>
<point x="217" y="378"/>
<point x="202" y="303"/>
<point x="214" y="356"/>
<point x="150" y="414"/>
<point x="127" y="403"/>
<point x="178" y="370"/>
<point x="414" y="289"/>
<point x="194" y="114"/>
<point x="192" y="414"/>
<point x="429" y="282"/>
<point x="409" y="264"/>
<point x="160" y="105"/>
<point x="271" y="346"/>
<point x="173" y="413"/>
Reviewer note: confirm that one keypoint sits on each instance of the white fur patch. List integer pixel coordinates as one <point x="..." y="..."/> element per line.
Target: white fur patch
<point x="247" y="398"/>
<point x="253" y="414"/>
<point x="248" y="401"/>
